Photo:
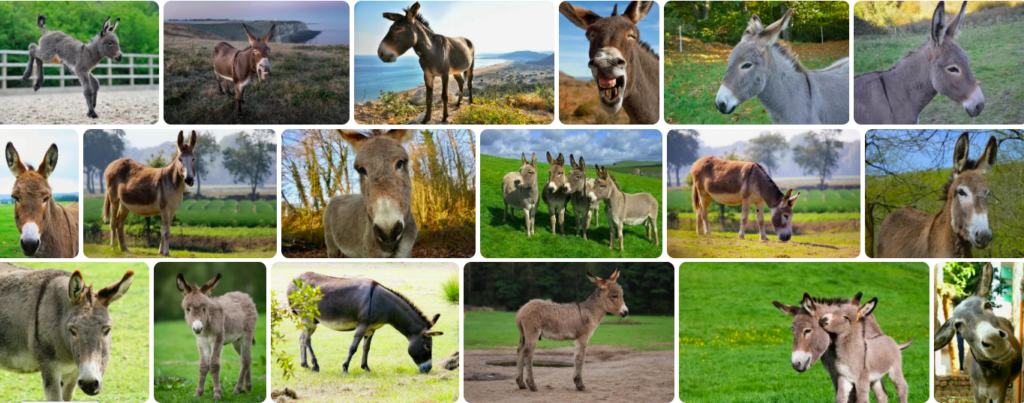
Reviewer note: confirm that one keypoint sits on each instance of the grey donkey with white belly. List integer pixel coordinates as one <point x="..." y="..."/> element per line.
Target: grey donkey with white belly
<point x="77" y="57"/>
<point x="995" y="359"/>
<point x="863" y="362"/>
<point x="519" y="192"/>
<point x="378" y="221"/>
<point x="54" y="324"/>
<point x="582" y="208"/>
<point x="556" y="193"/>
<point x="624" y="208"/>
<point x="216" y="322"/>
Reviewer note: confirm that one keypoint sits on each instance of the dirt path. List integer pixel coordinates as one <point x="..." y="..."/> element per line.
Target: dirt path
<point x="114" y="107"/>
<point x="612" y="374"/>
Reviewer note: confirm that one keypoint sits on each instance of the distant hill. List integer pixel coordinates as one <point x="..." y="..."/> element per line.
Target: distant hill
<point x="190" y="32"/>
<point x="522" y="56"/>
<point x="232" y="30"/>
<point x="547" y="61"/>
<point x="630" y="163"/>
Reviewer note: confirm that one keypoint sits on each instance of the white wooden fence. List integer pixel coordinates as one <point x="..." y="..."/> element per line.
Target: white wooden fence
<point x="104" y="71"/>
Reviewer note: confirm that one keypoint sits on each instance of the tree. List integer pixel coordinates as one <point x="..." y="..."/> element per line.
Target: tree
<point x="820" y="155"/>
<point x="767" y="149"/>
<point x="683" y="148"/>
<point x="252" y="160"/>
<point x="157" y="160"/>
<point x="104" y="147"/>
<point x="206" y="152"/>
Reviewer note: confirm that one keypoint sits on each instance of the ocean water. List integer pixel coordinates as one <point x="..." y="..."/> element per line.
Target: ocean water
<point x="373" y="76"/>
<point x="329" y="37"/>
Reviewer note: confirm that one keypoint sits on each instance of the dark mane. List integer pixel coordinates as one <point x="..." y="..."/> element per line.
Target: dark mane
<point x="407" y="301"/>
<point x="787" y="52"/>
<point x="30" y="167"/>
<point x="420" y="19"/>
<point x="774" y="188"/>
<point x="614" y="182"/>
<point x="830" y="301"/>
<point x="648" y="48"/>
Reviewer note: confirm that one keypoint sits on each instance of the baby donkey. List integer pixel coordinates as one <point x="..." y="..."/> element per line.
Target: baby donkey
<point x="862" y="362"/>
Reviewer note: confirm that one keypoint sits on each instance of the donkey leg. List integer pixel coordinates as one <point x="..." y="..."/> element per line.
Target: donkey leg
<point x="204" y="367"/>
<point x="459" y="80"/>
<point x="586" y="224"/>
<point x="744" y="213"/>
<point x="896" y="374"/>
<point x="241" y="371"/>
<point x="843" y="392"/>
<point x="95" y="89"/>
<point x="561" y="220"/>
<point x="878" y="388"/>
<point x="114" y="208"/>
<point x="366" y="351"/>
<point x="165" y="233"/>
<point x="87" y="91"/>
<point x="526" y="216"/>
<point x="469" y="82"/>
<point x="554" y="221"/>
<point x="528" y="350"/>
<point x="504" y="214"/>
<point x="122" y="217"/>
<point x="428" y="81"/>
<point x="239" y="91"/>
<point x="360" y="332"/>
<point x="51" y="381"/>
<point x="760" y="221"/>
<point x="622" y="247"/>
<point x="31" y="62"/>
<point x="218" y="346"/>
<point x="68" y="382"/>
<point x="444" y="98"/>
<point x="244" y="351"/>
<point x="578" y="357"/>
<point x="654" y="227"/>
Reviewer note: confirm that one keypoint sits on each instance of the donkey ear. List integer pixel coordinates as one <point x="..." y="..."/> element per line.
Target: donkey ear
<point x="988" y="159"/>
<point x="954" y="25"/>
<point x="210" y="285"/>
<point x="551" y="161"/>
<point x="792" y="201"/>
<point x="615" y="276"/>
<point x="524" y="159"/>
<point x="270" y="34"/>
<point x="637" y="10"/>
<point x="106" y="27"/>
<point x="413" y="10"/>
<point x="113" y="27"/>
<point x="393" y="16"/>
<point x="433" y="321"/>
<point x="790" y="310"/>
<point x="944" y="335"/>
<point x="583" y="165"/>
<point x="403" y="136"/>
<point x="115" y="291"/>
<point x="183" y="286"/>
<point x="560" y="160"/>
<point x="433" y="333"/>
<point x="581" y="17"/>
<point x="181" y="139"/>
<point x="76" y="287"/>
<point x="963" y="145"/>
<point x="572" y="161"/>
<point x="856" y="298"/>
<point x="49" y="162"/>
<point x="596" y="280"/>
<point x="807" y="303"/>
<point x="869" y="307"/>
<point x="771" y="33"/>
<point x="252" y="38"/>
<point x="192" y="140"/>
<point x="534" y="160"/>
<point x="938" y="29"/>
<point x="14" y="161"/>
<point x="353" y="138"/>
<point x="984" y="286"/>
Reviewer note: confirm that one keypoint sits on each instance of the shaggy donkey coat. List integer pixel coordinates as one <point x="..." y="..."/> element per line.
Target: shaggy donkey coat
<point x="48" y="229"/>
<point x="863" y="362"/>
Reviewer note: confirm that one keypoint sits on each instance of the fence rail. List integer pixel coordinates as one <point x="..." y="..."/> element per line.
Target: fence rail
<point x="105" y="68"/>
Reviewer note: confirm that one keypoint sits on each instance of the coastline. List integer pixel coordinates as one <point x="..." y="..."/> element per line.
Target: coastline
<point x="476" y="73"/>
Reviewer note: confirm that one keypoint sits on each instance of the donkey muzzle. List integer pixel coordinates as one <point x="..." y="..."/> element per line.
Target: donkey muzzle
<point x="91" y="387"/>
<point x="197" y="327"/>
<point x="426" y="367"/>
<point x="190" y="181"/>
<point x="389" y="236"/>
<point x="263" y="69"/>
<point x="89" y="378"/>
<point x="118" y="57"/>
<point x="975" y="103"/>
<point x="800" y="361"/>
<point x="30" y="238"/>
<point x="386" y="53"/>
<point x="725" y="101"/>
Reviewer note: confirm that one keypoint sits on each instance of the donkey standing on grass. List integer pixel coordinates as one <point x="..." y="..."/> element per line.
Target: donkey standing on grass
<point x="626" y="69"/>
<point x="54" y="324"/>
<point x="239" y="66"/>
<point x="77" y="57"/>
<point x="580" y="187"/>
<point x="624" y="208"/>
<point x="575" y="321"/>
<point x="940" y="66"/>
<point x="519" y="191"/>
<point x="744" y="183"/>
<point x="761" y="66"/>
<point x="863" y="362"/>
<point x="378" y="222"/>
<point x="48" y="230"/>
<point x="557" y="192"/>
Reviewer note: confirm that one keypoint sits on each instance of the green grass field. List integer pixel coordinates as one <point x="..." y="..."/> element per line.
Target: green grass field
<point x="738" y="349"/>
<point x="103" y="251"/>
<point x="206" y="212"/>
<point x="10" y="238"/>
<point x="394" y="377"/>
<point x="508" y="240"/>
<point x="486" y="330"/>
<point x="811" y="201"/>
<point x="176" y="365"/>
<point x="685" y="243"/>
<point x="995" y="63"/>
<point x="127" y="376"/>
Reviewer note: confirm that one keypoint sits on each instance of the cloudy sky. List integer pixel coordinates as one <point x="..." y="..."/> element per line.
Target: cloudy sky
<point x="596" y="146"/>
<point x="32" y="145"/>
<point x="142" y="138"/>
<point x="573" y="47"/>
<point x="723" y="136"/>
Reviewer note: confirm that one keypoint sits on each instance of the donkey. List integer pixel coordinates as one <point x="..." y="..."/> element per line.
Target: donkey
<point x="52" y="323"/>
<point x="519" y="191"/>
<point x="626" y="69"/>
<point x="364" y="306"/>
<point x="761" y="66"/>
<point x="378" y="222"/>
<point x="76" y="56"/>
<point x="216" y="322"/>
<point x="134" y="187"/>
<point x="575" y="321"/>
<point x="48" y="230"/>
<point x="440" y="56"/>
<point x="580" y="187"/>
<point x="962" y="222"/>
<point x="624" y="208"/>
<point x="740" y="183"/>
<point x="995" y="359"/>
<point x="238" y="66"/>
<point x="556" y="192"/>
<point x="939" y="66"/>
<point x="863" y="362"/>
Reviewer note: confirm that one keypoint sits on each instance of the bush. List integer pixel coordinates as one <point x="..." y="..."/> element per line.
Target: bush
<point x="395" y="105"/>
<point x="304" y="309"/>
<point x="450" y="290"/>
<point x="493" y="114"/>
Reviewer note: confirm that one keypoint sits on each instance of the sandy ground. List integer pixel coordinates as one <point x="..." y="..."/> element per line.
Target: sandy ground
<point x="613" y="374"/>
<point x="114" y="108"/>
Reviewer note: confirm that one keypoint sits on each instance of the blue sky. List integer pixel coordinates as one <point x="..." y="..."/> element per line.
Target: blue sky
<point x="32" y="145"/>
<point x="596" y="146"/>
<point x="143" y="138"/>
<point x="492" y="26"/>
<point x="332" y="14"/>
<point x="573" y="47"/>
<point x="940" y="155"/>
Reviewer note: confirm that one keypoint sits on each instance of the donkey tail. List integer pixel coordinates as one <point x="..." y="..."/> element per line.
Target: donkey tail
<point x="41" y="22"/>
<point x="106" y="207"/>
<point x="906" y="344"/>
<point x="695" y="199"/>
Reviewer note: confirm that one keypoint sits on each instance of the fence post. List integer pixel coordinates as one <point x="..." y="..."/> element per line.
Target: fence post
<point x="62" y="76"/>
<point x="110" y="72"/>
<point x="680" y="38"/>
<point x="822" y="34"/>
<point x="150" y="70"/>
<point x="3" y="72"/>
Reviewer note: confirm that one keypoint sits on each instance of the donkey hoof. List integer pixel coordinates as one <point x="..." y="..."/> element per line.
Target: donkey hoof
<point x="199" y="393"/>
<point x="366" y="368"/>
<point x="239" y="390"/>
<point x="316" y="368"/>
<point x="581" y="388"/>
<point x="533" y="388"/>
<point x="216" y="398"/>
<point x="36" y="87"/>
<point x="92" y="114"/>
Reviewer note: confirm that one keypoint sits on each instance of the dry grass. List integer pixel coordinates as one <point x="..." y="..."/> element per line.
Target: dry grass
<point x="578" y="103"/>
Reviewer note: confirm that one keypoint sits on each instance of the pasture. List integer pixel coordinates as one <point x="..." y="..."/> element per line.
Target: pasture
<point x="395" y="376"/>
<point x="508" y="240"/>
<point x="127" y="376"/>
<point x="10" y="238"/>
<point x="492" y="329"/>
<point x="739" y="350"/>
<point x="176" y="365"/>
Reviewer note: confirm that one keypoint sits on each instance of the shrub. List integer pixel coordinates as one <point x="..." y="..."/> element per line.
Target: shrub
<point x="450" y="290"/>
<point x="393" y="105"/>
<point x="303" y="303"/>
<point x="493" y="114"/>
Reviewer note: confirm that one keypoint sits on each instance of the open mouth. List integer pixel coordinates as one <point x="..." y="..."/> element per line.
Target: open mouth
<point x="264" y="74"/>
<point x="610" y="88"/>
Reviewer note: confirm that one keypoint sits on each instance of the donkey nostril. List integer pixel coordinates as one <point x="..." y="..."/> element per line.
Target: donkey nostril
<point x="620" y="62"/>
<point x="1002" y="334"/>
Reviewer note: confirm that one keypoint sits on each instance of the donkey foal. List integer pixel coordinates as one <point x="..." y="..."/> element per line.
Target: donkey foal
<point x="863" y="362"/>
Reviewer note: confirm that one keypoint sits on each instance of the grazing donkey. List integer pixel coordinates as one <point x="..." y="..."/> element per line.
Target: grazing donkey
<point x="962" y="222"/>
<point x="238" y="66"/>
<point x="575" y="321"/>
<point x="995" y="359"/>
<point x="519" y="191"/>
<point x="624" y="208"/>
<point x="364" y="305"/>
<point x="440" y="56"/>
<point x="216" y="322"/>
<point x="863" y="362"/>
<point x="939" y="66"/>
<point x="48" y="230"/>
<point x="761" y="66"/>
<point x="743" y="183"/>
<point x="54" y="324"/>
<point x="556" y="192"/>
<point x="378" y="222"/>
<point x="77" y="57"/>
<point x="145" y="191"/>
<point x="626" y="69"/>
<point x="580" y="187"/>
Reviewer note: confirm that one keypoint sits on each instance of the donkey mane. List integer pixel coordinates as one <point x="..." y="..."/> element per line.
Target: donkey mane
<point x="787" y="52"/>
<point x="419" y="17"/>
<point x="407" y="301"/>
<point x="614" y="182"/>
<point x="774" y="188"/>
<point x="830" y="301"/>
<point x="649" y="49"/>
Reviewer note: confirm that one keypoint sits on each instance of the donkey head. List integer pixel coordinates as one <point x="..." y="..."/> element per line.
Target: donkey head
<point x="847" y="318"/>
<point x="88" y="326"/>
<point x="402" y="35"/>
<point x="978" y="325"/>
<point x="197" y="302"/>
<point x="577" y="176"/>
<point x="810" y="341"/>
<point x="613" y="40"/>
<point x="604" y="185"/>
<point x="106" y="41"/>
<point x="384" y="179"/>
<point x="749" y="63"/>
<point x="782" y="215"/>
<point x="968" y="192"/>
<point x="186" y="157"/>
<point x="528" y="172"/>
<point x="421" y="346"/>
<point x="950" y="69"/>
<point x="260" y="50"/>
<point x="556" y="174"/>
<point x="609" y="294"/>
<point x="32" y="197"/>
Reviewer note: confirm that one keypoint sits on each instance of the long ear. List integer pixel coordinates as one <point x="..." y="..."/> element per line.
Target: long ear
<point x="808" y="303"/>
<point x="944" y="335"/>
<point x="938" y="30"/>
<point x="413" y="10"/>
<point x="524" y="159"/>
<point x="252" y="38"/>
<point x="433" y="333"/>
<point x="183" y="286"/>
<point x="354" y="138"/>
<point x="954" y="25"/>
<point x="192" y="140"/>
<point x="181" y="139"/>
<point x="534" y="160"/>
<point x="433" y="321"/>
<point x="106" y="27"/>
<point x="560" y="160"/>
<point x="76" y="288"/>
<point x="14" y="161"/>
<point x="583" y="165"/>
<point x="403" y="136"/>
<point x="551" y="161"/>
<point x="49" y="162"/>
<point x="985" y="282"/>
<point x="771" y="33"/>
<point x="963" y="145"/>
<point x="210" y="285"/>
<point x="869" y="307"/>
<point x="270" y="34"/>
<point x="596" y="280"/>
<point x="637" y="10"/>
<point x="792" y="200"/>
<point x="856" y="298"/>
<point x="988" y="159"/>
<point x="115" y="291"/>
<point x="393" y="16"/>
<point x="615" y="276"/>
<point x="113" y="27"/>
<point x="790" y="310"/>
<point x="572" y="161"/>
<point x="582" y="17"/>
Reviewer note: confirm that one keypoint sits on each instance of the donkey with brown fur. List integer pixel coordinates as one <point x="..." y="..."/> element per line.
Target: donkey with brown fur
<point x="519" y="192"/>
<point x="740" y="183"/>
<point x="624" y="208"/>
<point x="48" y="230"/>
<point x="575" y="321"/>
<point x="863" y="362"/>
<point x="239" y="66"/>
<point x="580" y="186"/>
<point x="557" y="192"/>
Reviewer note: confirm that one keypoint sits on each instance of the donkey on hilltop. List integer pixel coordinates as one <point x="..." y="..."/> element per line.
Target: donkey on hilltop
<point x="239" y="66"/>
<point x="624" y="208"/>
<point x="743" y="183"/>
<point x="557" y="192"/>
<point x="519" y="192"/>
<point x="48" y="230"/>
<point x="582" y="208"/>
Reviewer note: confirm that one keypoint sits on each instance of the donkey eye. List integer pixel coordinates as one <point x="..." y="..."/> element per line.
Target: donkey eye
<point x="988" y="306"/>
<point x="106" y="332"/>
<point x="953" y="69"/>
<point x="961" y="192"/>
<point x="74" y="333"/>
<point x="747" y="66"/>
<point x="807" y="332"/>
<point x="400" y="165"/>
<point x="46" y="199"/>
<point x="15" y="199"/>
<point x="632" y="36"/>
<point x="361" y="170"/>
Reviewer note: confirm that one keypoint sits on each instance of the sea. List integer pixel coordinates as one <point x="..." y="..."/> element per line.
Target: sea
<point x="373" y="76"/>
<point x="329" y="37"/>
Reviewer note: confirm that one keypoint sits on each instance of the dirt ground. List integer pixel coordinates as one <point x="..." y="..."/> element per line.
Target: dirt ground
<point x="113" y="107"/>
<point x="612" y="374"/>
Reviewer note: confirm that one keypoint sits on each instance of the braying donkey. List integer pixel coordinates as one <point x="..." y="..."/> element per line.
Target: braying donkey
<point x="48" y="229"/>
<point x="239" y="66"/>
<point x="743" y="183"/>
<point x="863" y="362"/>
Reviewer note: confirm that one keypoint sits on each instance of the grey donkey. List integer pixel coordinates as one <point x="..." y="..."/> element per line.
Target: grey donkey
<point x="863" y="362"/>
<point x="519" y="191"/>
<point x="216" y="322"/>
<point x="624" y="208"/>
<point x="580" y="186"/>
<point x="77" y="57"/>
<point x="54" y="324"/>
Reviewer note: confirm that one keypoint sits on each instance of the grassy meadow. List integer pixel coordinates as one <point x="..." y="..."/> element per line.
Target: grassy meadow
<point x="10" y="238"/>
<point x="739" y="350"/>
<point x="176" y="366"/>
<point x="508" y="240"/>
<point x="491" y="329"/>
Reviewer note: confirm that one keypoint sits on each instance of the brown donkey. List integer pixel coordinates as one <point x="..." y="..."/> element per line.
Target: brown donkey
<point x="145" y="191"/>
<point x="238" y="66"/>
<point x="962" y="223"/>
<point x="580" y="186"/>
<point x="48" y="230"/>
<point x="575" y="321"/>
<point x="743" y="183"/>
<point x="557" y="192"/>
